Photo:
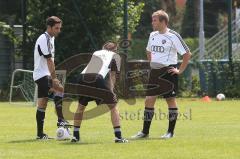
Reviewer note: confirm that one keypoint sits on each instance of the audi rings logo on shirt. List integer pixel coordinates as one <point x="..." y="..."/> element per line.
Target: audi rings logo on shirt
<point x="155" y="48"/>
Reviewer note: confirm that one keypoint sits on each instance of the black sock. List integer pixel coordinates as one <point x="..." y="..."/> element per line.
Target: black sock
<point x="40" y="115"/>
<point x="148" y="115"/>
<point x="117" y="132"/>
<point x="173" y="113"/>
<point x="58" y="107"/>
<point x="76" y="132"/>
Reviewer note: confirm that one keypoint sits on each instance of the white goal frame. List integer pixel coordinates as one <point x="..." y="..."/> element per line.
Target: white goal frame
<point x="33" y="102"/>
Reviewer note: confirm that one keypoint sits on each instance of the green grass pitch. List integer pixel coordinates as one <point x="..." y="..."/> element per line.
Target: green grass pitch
<point x="204" y="131"/>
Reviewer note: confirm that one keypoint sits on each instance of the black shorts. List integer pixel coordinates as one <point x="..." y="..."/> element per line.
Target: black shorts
<point x="44" y="84"/>
<point x="167" y="84"/>
<point x="97" y="89"/>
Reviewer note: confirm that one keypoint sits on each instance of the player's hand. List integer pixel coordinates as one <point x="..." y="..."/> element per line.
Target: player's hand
<point x="57" y="86"/>
<point x="173" y="71"/>
<point x="55" y="82"/>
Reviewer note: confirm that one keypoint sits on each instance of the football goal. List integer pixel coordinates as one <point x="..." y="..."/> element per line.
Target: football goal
<point x="23" y="89"/>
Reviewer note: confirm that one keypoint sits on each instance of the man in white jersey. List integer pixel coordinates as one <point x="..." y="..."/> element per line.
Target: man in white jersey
<point x="163" y="46"/>
<point x="100" y="74"/>
<point x="44" y="75"/>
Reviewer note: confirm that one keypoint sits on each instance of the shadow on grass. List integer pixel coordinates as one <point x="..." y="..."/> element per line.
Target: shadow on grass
<point x="150" y="138"/>
<point x="158" y="138"/>
<point x="67" y="142"/>
<point x="23" y="141"/>
<point x="63" y="142"/>
<point x="79" y="143"/>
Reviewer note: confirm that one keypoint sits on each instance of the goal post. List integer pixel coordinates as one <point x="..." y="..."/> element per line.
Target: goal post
<point x="23" y="90"/>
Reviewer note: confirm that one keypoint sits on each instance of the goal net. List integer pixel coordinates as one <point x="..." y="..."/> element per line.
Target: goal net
<point x="23" y="89"/>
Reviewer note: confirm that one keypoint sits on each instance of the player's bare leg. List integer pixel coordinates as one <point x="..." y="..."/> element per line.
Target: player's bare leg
<point x="115" y="118"/>
<point x="148" y="115"/>
<point x="78" y="116"/>
<point x="58" y="91"/>
<point x="40" y="116"/>
<point x="172" y="117"/>
<point x="150" y="101"/>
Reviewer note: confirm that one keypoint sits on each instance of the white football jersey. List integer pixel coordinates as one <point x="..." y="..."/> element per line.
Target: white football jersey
<point x="164" y="48"/>
<point x="44" y="48"/>
<point x="102" y="62"/>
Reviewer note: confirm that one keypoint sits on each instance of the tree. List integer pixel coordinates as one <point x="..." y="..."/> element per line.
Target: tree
<point x="85" y="25"/>
<point x="10" y="11"/>
<point x="190" y="20"/>
<point x="144" y="27"/>
<point x="212" y="10"/>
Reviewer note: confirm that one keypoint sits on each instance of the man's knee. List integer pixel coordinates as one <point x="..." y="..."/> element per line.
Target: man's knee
<point x="112" y="106"/>
<point x="81" y="107"/>
<point x="42" y="102"/>
<point x="171" y="99"/>
<point x="150" y="100"/>
<point x="171" y="102"/>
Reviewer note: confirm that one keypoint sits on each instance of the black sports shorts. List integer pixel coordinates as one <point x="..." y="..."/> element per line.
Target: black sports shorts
<point x="170" y="88"/>
<point x="44" y="84"/>
<point x="97" y="84"/>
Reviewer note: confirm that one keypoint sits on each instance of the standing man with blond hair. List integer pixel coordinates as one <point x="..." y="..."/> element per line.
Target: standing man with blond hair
<point x="163" y="46"/>
<point x="44" y="75"/>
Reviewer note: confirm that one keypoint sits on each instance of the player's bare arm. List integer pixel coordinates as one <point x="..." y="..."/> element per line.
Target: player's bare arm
<point x="186" y="58"/>
<point x="113" y="77"/>
<point x="51" y="67"/>
<point x="56" y="83"/>
<point x="149" y="56"/>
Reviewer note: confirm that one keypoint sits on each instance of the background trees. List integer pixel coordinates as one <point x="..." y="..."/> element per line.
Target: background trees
<point x="86" y="24"/>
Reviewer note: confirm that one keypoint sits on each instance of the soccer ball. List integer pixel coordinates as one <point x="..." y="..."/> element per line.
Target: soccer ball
<point x="63" y="133"/>
<point x="220" y="96"/>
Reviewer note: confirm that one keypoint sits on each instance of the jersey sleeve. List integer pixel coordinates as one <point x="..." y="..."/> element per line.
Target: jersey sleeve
<point x="180" y="45"/>
<point x="115" y="63"/>
<point x="44" y="47"/>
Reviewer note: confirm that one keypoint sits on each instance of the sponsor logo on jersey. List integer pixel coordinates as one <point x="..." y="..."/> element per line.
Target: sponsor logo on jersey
<point x="164" y="41"/>
<point x="155" y="48"/>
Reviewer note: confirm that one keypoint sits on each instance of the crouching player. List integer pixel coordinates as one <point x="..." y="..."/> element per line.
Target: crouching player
<point x="100" y="74"/>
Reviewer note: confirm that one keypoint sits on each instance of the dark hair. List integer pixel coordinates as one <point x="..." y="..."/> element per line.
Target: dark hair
<point x="51" y="21"/>
<point x="111" y="46"/>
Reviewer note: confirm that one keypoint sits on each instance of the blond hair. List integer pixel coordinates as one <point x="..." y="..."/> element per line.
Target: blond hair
<point x="162" y="15"/>
<point x="111" y="46"/>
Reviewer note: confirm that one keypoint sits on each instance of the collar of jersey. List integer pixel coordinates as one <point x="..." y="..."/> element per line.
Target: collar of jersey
<point x="165" y="32"/>
<point x="48" y="34"/>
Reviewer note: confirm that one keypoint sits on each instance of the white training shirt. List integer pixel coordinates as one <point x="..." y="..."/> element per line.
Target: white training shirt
<point x="44" y="48"/>
<point x="102" y="62"/>
<point x="164" y="48"/>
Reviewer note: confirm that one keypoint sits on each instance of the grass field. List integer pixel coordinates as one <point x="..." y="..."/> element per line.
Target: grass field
<point x="204" y="131"/>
